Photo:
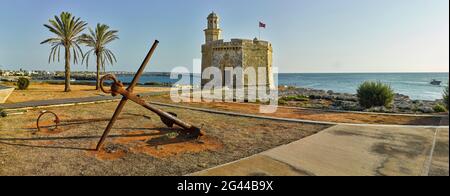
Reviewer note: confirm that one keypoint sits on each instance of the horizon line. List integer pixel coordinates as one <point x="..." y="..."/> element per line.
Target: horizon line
<point x="359" y="72"/>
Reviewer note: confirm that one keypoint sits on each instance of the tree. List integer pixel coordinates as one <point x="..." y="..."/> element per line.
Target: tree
<point x="67" y="30"/>
<point x="445" y="96"/>
<point x="97" y="40"/>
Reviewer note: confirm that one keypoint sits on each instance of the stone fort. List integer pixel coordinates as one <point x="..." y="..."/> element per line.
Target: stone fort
<point x="242" y="53"/>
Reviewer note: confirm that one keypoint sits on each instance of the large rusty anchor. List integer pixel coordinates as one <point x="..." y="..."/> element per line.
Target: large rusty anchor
<point x="117" y="88"/>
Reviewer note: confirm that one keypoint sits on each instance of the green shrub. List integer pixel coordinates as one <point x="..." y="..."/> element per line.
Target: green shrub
<point x="3" y="113"/>
<point x="375" y="94"/>
<point x="282" y="102"/>
<point x="445" y="96"/>
<point x="295" y="98"/>
<point x="153" y="84"/>
<point x="23" y="83"/>
<point x="439" y="108"/>
<point x="291" y="88"/>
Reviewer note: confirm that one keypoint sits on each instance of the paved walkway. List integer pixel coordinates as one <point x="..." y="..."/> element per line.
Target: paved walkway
<point x="65" y="102"/>
<point x="349" y="151"/>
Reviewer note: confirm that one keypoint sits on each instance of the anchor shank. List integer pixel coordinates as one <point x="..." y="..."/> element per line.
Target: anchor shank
<point x="111" y="122"/>
<point x="166" y="115"/>
<point x="159" y="112"/>
<point x="142" y="68"/>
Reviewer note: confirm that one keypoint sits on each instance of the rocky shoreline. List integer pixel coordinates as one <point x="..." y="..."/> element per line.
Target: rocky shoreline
<point x="349" y="102"/>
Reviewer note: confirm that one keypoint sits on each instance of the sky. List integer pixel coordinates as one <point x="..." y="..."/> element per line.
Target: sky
<point x="308" y="36"/>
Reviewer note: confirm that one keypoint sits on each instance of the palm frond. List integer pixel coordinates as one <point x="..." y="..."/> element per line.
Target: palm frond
<point x="53" y="30"/>
<point x="86" y="57"/>
<point x="51" y="41"/>
<point x="97" y="39"/>
<point x="53" y="51"/>
<point x="67" y="29"/>
<point x="57" y="27"/>
<point x="59" y="52"/>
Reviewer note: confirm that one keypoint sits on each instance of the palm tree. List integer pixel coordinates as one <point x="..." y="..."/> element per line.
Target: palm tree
<point x="67" y="30"/>
<point x="97" y="41"/>
<point x="445" y="96"/>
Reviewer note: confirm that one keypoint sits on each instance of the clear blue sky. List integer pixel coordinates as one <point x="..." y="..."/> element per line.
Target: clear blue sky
<point x="307" y="35"/>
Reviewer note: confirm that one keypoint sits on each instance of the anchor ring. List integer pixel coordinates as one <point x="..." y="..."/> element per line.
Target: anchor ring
<point x="56" y="121"/>
<point x="116" y="85"/>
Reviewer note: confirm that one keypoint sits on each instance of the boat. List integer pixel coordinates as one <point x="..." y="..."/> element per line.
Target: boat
<point x="436" y="82"/>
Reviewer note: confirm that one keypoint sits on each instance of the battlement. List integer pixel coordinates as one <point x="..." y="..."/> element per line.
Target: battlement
<point x="239" y="42"/>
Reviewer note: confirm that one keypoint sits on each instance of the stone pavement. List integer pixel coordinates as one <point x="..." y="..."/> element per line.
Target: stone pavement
<point x="351" y="151"/>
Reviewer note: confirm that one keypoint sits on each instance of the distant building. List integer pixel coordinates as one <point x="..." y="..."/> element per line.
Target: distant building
<point x="236" y="53"/>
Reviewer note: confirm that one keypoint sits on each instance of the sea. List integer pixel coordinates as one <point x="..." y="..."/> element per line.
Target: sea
<point x="415" y="85"/>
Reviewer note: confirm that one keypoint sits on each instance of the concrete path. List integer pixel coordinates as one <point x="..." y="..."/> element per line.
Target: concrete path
<point x="351" y="151"/>
<point x="65" y="102"/>
<point x="439" y="162"/>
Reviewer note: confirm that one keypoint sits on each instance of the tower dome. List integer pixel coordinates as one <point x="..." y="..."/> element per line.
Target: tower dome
<point x="212" y="33"/>
<point x="213" y="15"/>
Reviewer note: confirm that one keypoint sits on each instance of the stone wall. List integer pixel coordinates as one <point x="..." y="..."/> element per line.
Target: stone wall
<point x="239" y="53"/>
<point x="259" y="54"/>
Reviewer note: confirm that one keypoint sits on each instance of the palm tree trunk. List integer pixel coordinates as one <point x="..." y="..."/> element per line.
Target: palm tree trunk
<point x="67" y="70"/>
<point x="97" y="86"/>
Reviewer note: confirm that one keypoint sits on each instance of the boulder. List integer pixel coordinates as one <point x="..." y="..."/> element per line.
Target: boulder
<point x="426" y="109"/>
<point x="347" y="101"/>
<point x="346" y="105"/>
<point x="404" y="105"/>
<point x="381" y="109"/>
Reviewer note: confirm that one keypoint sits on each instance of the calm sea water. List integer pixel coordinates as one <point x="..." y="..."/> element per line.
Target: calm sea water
<point x="415" y="85"/>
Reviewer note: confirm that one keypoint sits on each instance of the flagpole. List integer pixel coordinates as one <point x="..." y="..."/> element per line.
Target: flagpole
<point x="259" y="36"/>
<point x="261" y="25"/>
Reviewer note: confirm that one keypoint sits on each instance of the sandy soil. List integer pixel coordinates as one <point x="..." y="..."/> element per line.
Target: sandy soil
<point x="41" y="91"/>
<point x="139" y="143"/>
<point x="317" y="115"/>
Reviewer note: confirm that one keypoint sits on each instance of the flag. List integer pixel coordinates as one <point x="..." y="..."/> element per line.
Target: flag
<point x="262" y="25"/>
